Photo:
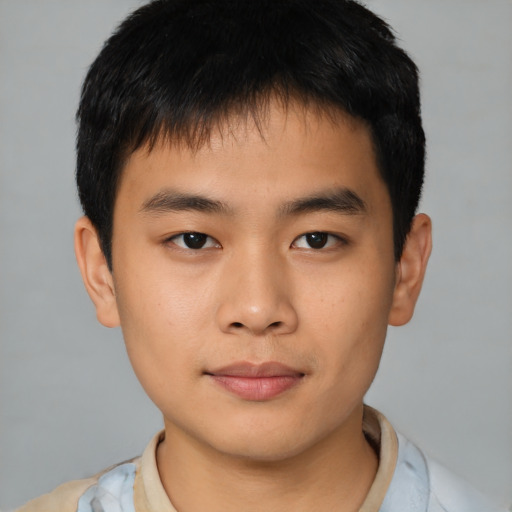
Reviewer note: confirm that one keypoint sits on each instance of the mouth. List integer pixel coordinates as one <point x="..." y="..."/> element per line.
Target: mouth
<point x="256" y="382"/>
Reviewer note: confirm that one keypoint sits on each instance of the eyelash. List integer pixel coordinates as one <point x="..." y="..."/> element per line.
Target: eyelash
<point x="322" y="237"/>
<point x="200" y="237"/>
<point x="325" y="241"/>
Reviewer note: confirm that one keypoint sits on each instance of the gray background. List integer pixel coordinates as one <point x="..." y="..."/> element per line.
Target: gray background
<point x="69" y="403"/>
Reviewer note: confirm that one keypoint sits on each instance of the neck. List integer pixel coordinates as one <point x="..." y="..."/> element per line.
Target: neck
<point x="336" y="473"/>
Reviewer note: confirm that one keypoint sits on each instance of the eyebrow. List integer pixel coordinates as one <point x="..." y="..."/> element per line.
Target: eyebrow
<point x="171" y="201"/>
<point x="342" y="200"/>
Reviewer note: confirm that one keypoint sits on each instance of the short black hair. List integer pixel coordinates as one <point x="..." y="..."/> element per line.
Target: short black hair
<point x="177" y="68"/>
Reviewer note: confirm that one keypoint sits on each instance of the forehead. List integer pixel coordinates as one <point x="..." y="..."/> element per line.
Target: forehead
<point x="284" y="150"/>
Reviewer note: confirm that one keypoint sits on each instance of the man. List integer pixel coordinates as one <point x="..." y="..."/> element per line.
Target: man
<point x="250" y="173"/>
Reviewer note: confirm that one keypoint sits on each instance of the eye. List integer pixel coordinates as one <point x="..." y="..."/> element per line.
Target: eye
<point x="194" y="241"/>
<point x="317" y="240"/>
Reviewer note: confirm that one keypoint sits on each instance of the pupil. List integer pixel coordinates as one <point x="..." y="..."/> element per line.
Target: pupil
<point x="194" y="240"/>
<point x="316" y="240"/>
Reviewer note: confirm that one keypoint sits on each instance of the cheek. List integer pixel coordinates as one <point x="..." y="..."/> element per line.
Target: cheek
<point x="349" y="315"/>
<point x="156" y="297"/>
<point x="163" y="326"/>
<point x="354" y="295"/>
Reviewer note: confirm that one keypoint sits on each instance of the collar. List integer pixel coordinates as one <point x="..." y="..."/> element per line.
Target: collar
<point x="150" y="496"/>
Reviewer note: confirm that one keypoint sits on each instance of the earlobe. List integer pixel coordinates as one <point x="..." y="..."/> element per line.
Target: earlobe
<point x="96" y="275"/>
<point x="411" y="270"/>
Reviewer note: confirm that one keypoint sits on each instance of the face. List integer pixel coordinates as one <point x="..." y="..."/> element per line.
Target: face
<point x="254" y="280"/>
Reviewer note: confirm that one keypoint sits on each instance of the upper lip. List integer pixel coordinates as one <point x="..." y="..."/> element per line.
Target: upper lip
<point x="255" y="370"/>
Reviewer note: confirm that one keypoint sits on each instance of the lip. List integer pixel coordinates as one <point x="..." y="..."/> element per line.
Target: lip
<point x="256" y="382"/>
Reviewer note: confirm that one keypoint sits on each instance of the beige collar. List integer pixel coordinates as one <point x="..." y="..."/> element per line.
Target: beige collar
<point x="380" y="434"/>
<point x="150" y="496"/>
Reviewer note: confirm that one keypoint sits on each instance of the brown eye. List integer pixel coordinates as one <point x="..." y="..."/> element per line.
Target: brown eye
<point x="317" y="240"/>
<point x="194" y="241"/>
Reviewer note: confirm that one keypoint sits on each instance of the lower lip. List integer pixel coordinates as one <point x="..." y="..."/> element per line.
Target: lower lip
<point x="257" y="388"/>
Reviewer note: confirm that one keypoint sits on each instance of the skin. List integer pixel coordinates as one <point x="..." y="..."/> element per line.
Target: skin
<point x="257" y="291"/>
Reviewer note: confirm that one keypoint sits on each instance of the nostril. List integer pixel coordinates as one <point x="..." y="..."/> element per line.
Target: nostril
<point x="237" y="324"/>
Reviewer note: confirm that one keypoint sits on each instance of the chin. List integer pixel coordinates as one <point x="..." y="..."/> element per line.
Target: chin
<point x="263" y="445"/>
<point x="263" y="452"/>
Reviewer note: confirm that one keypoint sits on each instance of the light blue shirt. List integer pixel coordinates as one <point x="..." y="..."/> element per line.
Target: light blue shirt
<point x="418" y="485"/>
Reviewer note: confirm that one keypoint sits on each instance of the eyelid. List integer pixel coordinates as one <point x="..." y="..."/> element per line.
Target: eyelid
<point x="210" y="244"/>
<point x="333" y="241"/>
<point x="339" y="240"/>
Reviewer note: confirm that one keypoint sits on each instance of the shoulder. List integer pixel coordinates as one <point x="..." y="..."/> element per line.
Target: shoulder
<point x="111" y="489"/>
<point x="63" y="499"/>
<point x="427" y="486"/>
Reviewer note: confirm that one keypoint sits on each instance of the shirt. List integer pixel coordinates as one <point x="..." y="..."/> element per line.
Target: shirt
<point x="406" y="481"/>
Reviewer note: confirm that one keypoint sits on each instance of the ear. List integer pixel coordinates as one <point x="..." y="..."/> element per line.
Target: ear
<point x="411" y="270"/>
<point x="95" y="272"/>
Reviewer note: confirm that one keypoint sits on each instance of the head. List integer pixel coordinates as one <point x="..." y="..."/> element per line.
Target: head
<point x="250" y="172"/>
<point x="177" y="69"/>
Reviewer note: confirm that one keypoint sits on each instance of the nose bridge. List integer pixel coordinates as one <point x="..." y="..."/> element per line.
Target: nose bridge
<point x="256" y="294"/>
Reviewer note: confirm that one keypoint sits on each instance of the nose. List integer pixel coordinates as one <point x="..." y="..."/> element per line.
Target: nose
<point x="256" y="297"/>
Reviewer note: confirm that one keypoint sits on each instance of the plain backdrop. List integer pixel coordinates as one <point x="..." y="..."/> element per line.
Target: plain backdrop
<point x="70" y="405"/>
